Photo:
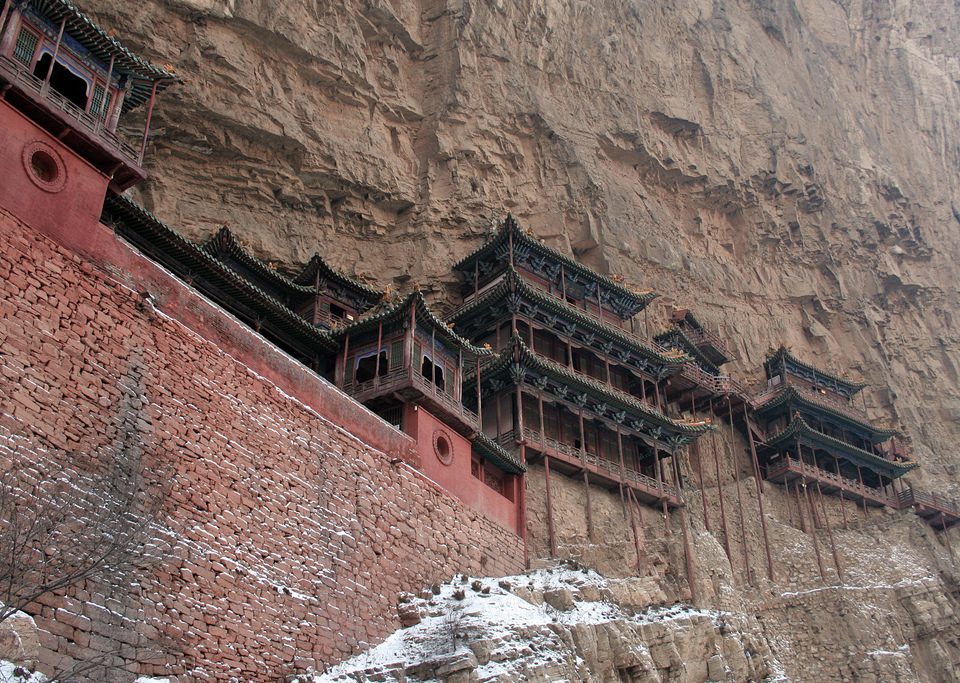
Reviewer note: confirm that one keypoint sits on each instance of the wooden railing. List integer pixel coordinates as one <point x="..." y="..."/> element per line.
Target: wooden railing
<point x="19" y="75"/>
<point x="824" y="476"/>
<point x="910" y="497"/>
<point x="716" y="384"/>
<point x="704" y="337"/>
<point x="401" y="377"/>
<point x="595" y="462"/>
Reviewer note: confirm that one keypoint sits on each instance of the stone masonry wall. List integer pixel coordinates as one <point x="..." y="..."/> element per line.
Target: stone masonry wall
<point x="292" y="537"/>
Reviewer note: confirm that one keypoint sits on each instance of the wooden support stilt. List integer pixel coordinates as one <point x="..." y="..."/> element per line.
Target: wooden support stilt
<point x="803" y="518"/>
<point x="863" y="499"/>
<point x="736" y="473"/>
<point x="522" y="508"/>
<point x="759" y="480"/>
<point x="688" y="555"/>
<point x="813" y="533"/>
<point x="695" y="446"/>
<point x="663" y="495"/>
<point x="843" y="507"/>
<point x="833" y="545"/>
<point x="638" y="540"/>
<point x="622" y="469"/>
<point x="946" y="535"/>
<point x="723" y="514"/>
<point x="586" y="479"/>
<point x="550" y="528"/>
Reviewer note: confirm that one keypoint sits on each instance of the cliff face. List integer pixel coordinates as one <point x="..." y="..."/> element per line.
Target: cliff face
<point x="786" y="168"/>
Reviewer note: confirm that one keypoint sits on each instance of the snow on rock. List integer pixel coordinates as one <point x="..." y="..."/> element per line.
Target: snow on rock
<point x="560" y="624"/>
<point x="13" y="673"/>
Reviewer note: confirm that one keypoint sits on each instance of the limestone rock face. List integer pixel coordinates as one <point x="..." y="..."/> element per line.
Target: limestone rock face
<point x="514" y="632"/>
<point x="787" y="169"/>
<point x="19" y="640"/>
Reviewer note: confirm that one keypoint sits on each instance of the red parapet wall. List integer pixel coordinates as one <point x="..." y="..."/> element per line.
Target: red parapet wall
<point x="296" y="516"/>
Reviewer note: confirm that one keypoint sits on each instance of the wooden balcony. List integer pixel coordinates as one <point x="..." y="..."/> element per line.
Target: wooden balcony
<point x="694" y="378"/>
<point x="48" y="108"/>
<point x="602" y="471"/>
<point x="705" y="338"/>
<point x="787" y="470"/>
<point x="412" y="387"/>
<point x="939" y="512"/>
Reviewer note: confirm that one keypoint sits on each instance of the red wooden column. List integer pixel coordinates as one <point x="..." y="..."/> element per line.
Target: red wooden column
<point x="586" y="477"/>
<point x="696" y="447"/>
<point x="723" y="515"/>
<point x="3" y="14"/>
<point x="736" y="472"/>
<point x="759" y="480"/>
<point x="551" y="534"/>
<point x="53" y="60"/>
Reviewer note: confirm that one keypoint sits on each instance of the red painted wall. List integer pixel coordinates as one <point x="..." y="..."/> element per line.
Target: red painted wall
<point x="296" y="519"/>
<point x="72" y="201"/>
<point x="455" y="475"/>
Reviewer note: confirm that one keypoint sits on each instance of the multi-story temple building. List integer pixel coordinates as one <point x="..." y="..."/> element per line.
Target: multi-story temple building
<point x="69" y="77"/>
<point x="570" y="387"/>
<point x="701" y="385"/>
<point x="408" y="366"/>
<point x="814" y="434"/>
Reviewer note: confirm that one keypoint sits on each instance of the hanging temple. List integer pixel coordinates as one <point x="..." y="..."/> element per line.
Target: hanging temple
<point x="543" y="362"/>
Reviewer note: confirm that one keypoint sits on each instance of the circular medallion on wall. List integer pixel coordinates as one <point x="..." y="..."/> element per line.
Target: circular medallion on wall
<point x="443" y="446"/>
<point x="44" y="166"/>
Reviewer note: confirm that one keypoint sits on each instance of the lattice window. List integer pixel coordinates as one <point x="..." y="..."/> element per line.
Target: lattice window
<point x="26" y="46"/>
<point x="100" y="102"/>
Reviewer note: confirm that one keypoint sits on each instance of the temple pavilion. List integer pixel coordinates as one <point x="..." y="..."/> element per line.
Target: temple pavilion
<point x="571" y="386"/>
<point x="813" y="434"/>
<point x="700" y="380"/>
<point x="72" y="79"/>
<point x="408" y="366"/>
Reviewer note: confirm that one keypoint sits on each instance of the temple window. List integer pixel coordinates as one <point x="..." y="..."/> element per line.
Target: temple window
<point x="433" y="373"/>
<point x="367" y="366"/>
<point x="64" y="80"/>
<point x="26" y="46"/>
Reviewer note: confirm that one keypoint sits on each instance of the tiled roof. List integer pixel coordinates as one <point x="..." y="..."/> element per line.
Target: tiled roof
<point x="784" y="353"/>
<point x="511" y="227"/>
<point x="798" y="427"/>
<point x="396" y="311"/>
<point x="520" y="354"/>
<point x="142" y="73"/>
<point x="497" y="454"/>
<point x="561" y="308"/>
<point x="189" y="260"/>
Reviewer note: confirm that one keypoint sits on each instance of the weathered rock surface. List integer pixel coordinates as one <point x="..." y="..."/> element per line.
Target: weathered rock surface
<point x="787" y="168"/>
<point x="514" y="632"/>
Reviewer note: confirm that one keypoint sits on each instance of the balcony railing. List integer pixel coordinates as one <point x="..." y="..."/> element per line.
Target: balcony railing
<point x="402" y="377"/>
<point x="716" y="384"/>
<point x="911" y="497"/>
<point x="704" y="337"/>
<point x="19" y="75"/>
<point x="821" y="475"/>
<point x="595" y="463"/>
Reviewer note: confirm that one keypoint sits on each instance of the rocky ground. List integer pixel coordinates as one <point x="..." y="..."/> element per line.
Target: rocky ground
<point x="560" y="624"/>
